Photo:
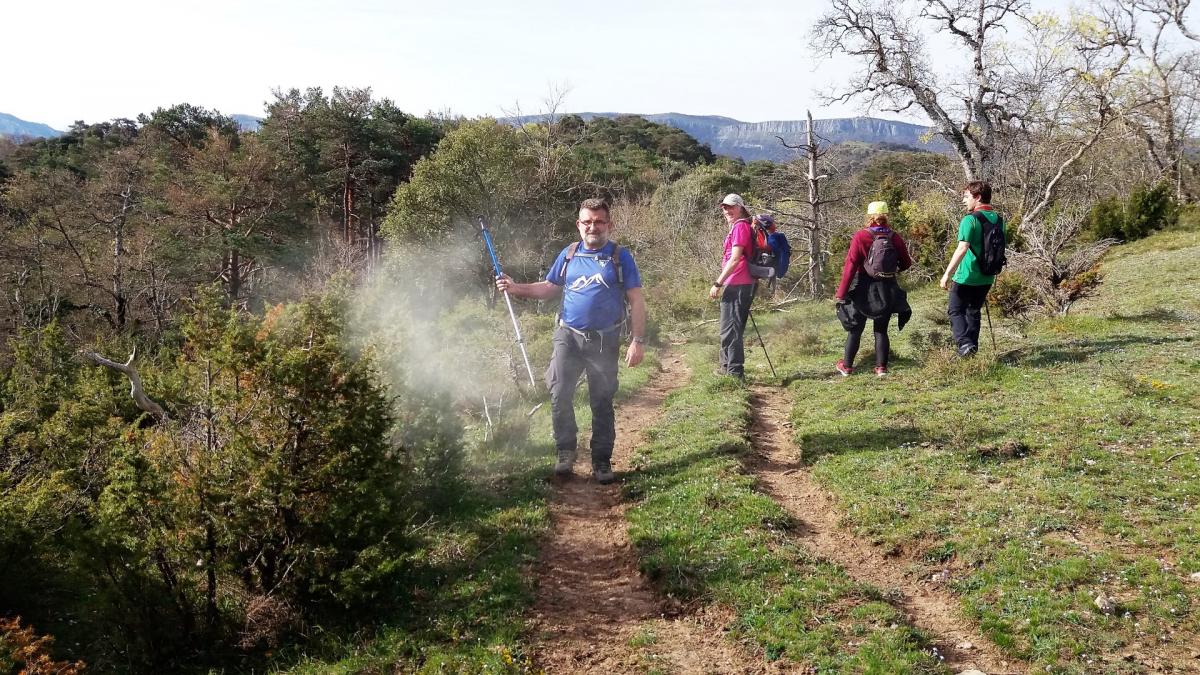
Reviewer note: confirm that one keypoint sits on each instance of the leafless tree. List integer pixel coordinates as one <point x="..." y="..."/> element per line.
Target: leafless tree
<point x="74" y="233"/>
<point x="1059" y="269"/>
<point x="1172" y="9"/>
<point x="897" y="75"/>
<point x="809" y="170"/>
<point x="1160" y="105"/>
<point x="1023" y="111"/>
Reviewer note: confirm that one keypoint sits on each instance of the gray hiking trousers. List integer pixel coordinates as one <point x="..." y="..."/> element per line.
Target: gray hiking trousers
<point x="596" y="354"/>
<point x="735" y="311"/>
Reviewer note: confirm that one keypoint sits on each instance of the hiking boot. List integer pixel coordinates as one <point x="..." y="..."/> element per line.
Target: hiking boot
<point x="602" y="472"/>
<point x="843" y="369"/>
<point x="967" y="351"/>
<point x="565" y="463"/>
<point x="880" y="371"/>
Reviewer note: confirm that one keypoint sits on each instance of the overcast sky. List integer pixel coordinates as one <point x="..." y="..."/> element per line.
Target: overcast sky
<point x="94" y="60"/>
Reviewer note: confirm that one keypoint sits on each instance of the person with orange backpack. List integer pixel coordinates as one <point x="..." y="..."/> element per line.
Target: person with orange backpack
<point x="876" y="257"/>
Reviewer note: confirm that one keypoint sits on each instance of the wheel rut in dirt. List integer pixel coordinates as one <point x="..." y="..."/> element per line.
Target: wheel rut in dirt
<point x="776" y="464"/>
<point x="591" y="599"/>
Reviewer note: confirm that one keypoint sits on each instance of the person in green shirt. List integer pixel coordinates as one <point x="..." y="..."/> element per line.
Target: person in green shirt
<point x="968" y="286"/>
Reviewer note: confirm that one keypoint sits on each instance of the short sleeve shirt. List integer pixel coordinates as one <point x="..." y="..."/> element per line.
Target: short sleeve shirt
<point x="739" y="235"/>
<point x="592" y="298"/>
<point x="969" y="230"/>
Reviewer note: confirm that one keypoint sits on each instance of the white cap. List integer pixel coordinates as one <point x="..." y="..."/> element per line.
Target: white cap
<point x="734" y="200"/>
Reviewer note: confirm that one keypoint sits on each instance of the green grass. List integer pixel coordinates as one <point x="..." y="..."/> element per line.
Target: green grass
<point x="1041" y="478"/>
<point x="705" y="534"/>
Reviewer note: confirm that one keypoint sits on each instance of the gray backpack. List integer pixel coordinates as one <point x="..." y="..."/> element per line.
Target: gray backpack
<point x="883" y="262"/>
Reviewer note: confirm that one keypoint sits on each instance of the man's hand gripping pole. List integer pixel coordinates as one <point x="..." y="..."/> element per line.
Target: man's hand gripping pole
<point x="487" y="239"/>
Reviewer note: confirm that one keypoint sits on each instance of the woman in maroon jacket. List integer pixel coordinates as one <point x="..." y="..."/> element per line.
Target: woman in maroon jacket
<point x="877" y="253"/>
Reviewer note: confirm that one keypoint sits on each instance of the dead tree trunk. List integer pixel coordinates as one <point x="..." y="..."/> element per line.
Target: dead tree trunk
<point x="235" y="276"/>
<point x="816" y="268"/>
<point x="814" y="221"/>
<point x="135" y="383"/>
<point x="347" y="199"/>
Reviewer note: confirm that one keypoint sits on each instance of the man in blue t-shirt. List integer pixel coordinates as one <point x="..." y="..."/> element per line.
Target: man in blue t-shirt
<point x="595" y="288"/>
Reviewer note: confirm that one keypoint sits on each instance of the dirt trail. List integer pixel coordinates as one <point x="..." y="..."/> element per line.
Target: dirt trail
<point x="776" y="464"/>
<point x="592" y="601"/>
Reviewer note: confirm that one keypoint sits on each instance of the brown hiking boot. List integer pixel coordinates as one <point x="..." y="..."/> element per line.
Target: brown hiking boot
<point x="565" y="463"/>
<point x="602" y="472"/>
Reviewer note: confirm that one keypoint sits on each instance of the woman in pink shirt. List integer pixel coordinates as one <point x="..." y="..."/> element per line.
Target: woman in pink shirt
<point x="734" y="286"/>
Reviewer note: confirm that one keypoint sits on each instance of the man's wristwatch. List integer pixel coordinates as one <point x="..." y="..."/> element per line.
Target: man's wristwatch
<point x="639" y="340"/>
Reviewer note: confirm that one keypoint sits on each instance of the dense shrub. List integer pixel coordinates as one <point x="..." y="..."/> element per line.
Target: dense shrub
<point x="279" y="489"/>
<point x="1012" y="295"/>
<point x="1146" y="210"/>
<point x="929" y="228"/>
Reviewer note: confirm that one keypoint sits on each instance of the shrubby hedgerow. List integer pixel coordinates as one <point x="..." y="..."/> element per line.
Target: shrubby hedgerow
<point x="279" y="488"/>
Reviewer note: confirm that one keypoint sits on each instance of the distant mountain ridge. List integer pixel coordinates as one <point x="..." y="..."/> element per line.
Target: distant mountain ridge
<point x="758" y="140"/>
<point x="725" y="135"/>
<point x="15" y="127"/>
<point x="247" y="122"/>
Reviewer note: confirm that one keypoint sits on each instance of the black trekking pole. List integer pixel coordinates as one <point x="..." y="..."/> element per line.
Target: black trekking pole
<point x="487" y="239"/>
<point x="987" y="309"/>
<point x="763" y="345"/>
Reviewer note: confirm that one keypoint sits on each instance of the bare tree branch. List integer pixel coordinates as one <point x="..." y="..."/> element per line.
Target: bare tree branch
<point x="135" y="381"/>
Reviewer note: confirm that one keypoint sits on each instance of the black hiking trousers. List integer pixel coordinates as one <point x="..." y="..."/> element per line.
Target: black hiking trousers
<point x="882" y="343"/>
<point x="735" y="311"/>
<point x="596" y="354"/>
<point x="965" y="309"/>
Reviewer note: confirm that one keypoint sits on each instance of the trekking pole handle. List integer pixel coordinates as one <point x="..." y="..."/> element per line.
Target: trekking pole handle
<point x="487" y="239"/>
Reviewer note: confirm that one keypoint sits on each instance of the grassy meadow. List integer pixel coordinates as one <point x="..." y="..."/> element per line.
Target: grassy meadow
<point x="1060" y="469"/>
<point x="1038" y="477"/>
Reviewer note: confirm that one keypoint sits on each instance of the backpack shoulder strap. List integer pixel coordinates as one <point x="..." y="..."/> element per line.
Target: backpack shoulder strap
<point x="570" y="253"/>
<point x="573" y="248"/>
<point x="616" y="258"/>
<point x="983" y="224"/>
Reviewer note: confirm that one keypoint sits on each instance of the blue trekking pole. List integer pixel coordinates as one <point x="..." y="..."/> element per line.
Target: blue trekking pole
<point x="487" y="239"/>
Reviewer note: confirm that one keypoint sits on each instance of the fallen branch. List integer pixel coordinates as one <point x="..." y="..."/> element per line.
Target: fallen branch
<point x="1180" y="454"/>
<point x="778" y="306"/>
<point x="135" y="381"/>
